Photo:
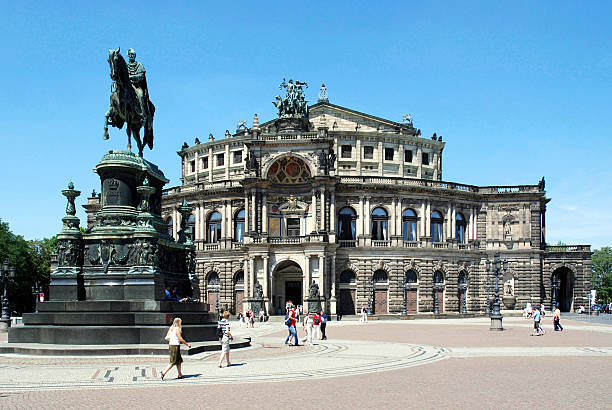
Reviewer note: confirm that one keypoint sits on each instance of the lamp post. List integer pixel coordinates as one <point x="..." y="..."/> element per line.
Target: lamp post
<point x="7" y="272"/>
<point x="496" y="268"/>
<point x="488" y="287"/>
<point x="556" y="284"/>
<point x="36" y="291"/>
<point x="217" y="303"/>
<point x="370" y="312"/>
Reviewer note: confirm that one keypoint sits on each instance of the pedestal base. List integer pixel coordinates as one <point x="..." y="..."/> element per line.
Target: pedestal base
<point x="4" y="325"/>
<point x="496" y="323"/>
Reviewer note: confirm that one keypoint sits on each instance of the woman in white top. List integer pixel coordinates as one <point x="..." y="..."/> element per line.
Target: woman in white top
<point x="225" y="339"/>
<point x="175" y="339"/>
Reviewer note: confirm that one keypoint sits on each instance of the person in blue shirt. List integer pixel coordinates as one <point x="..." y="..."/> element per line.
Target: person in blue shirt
<point x="323" y="324"/>
<point x="537" y="330"/>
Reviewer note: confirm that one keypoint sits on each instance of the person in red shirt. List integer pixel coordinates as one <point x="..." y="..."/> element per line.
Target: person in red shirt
<point x="292" y="325"/>
<point x="316" y="325"/>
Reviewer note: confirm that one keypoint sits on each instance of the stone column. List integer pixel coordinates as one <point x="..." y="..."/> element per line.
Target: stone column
<point x="367" y="215"/>
<point x="398" y="217"/>
<point x="315" y="225"/>
<point x="381" y="157"/>
<point x="252" y="276"/>
<point x="454" y="222"/>
<point x="227" y="160"/>
<point x="264" y="212"/>
<point x="211" y="164"/>
<point x="176" y="220"/>
<point x="427" y="220"/>
<point x="393" y="217"/>
<point x="423" y="230"/>
<point x="253" y="212"/>
<point x="436" y="167"/>
<point x="306" y="280"/>
<point x="419" y="161"/>
<point x="323" y="210"/>
<point x="361" y="221"/>
<point x="246" y="211"/>
<point x="401" y="160"/>
<point x="471" y="224"/>
<point x="333" y="286"/>
<point x="321" y="278"/>
<point x="357" y="155"/>
<point x="332" y="212"/>
<point x="475" y="218"/>
<point x="197" y="165"/>
<point x="449" y="218"/>
<point x="245" y="269"/>
<point x="266" y="293"/>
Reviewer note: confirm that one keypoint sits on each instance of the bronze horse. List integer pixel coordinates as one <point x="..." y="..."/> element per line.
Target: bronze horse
<point x="124" y="105"/>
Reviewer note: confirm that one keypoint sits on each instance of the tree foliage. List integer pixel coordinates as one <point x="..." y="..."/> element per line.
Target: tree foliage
<point x="602" y="273"/>
<point x="31" y="261"/>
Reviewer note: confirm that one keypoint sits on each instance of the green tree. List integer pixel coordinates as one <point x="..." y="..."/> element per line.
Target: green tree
<point x="602" y="273"/>
<point x="31" y="261"/>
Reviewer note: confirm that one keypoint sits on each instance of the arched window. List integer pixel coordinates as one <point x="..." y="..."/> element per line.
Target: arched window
<point x="436" y="226"/>
<point x="462" y="281"/>
<point x="239" y="226"/>
<point x="460" y="228"/>
<point x="213" y="228"/>
<point x="346" y="224"/>
<point x="409" y="224"/>
<point x="411" y="277"/>
<point x="213" y="279"/>
<point x="191" y="225"/>
<point x="379" y="224"/>
<point x="380" y="276"/>
<point x="170" y="225"/>
<point x="347" y="277"/>
<point x="438" y="278"/>
<point x="239" y="278"/>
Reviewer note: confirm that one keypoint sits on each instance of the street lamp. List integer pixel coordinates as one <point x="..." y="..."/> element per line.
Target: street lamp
<point x="556" y="284"/>
<point x="36" y="291"/>
<point x="496" y="268"/>
<point x="7" y="273"/>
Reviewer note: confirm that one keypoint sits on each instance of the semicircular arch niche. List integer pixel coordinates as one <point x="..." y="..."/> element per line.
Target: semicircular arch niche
<point x="289" y="170"/>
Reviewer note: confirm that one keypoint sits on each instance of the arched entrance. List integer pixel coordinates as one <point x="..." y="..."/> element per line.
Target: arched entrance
<point x="212" y="290"/>
<point x="238" y="291"/>
<point x="348" y="286"/>
<point x="288" y="277"/>
<point x="438" y="292"/>
<point x="412" y="286"/>
<point x="564" y="295"/>
<point x="381" y="286"/>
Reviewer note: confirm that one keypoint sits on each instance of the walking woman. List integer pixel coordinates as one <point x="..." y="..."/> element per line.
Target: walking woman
<point x="225" y="339"/>
<point x="175" y="339"/>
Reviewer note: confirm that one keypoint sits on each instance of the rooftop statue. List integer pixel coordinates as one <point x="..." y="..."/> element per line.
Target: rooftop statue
<point x="129" y="101"/>
<point x="294" y="105"/>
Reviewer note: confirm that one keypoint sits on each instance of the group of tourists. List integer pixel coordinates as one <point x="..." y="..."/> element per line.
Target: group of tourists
<point x="247" y="318"/>
<point x="172" y="293"/>
<point x="537" y="316"/>
<point x="314" y="325"/>
<point x="174" y="338"/>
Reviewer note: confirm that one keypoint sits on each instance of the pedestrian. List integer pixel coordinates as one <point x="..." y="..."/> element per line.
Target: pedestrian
<point x="292" y="323"/>
<point x="240" y="319"/>
<point x="537" y="330"/>
<point x="175" y="339"/>
<point x="261" y="315"/>
<point x="252" y="318"/>
<point x="323" y="325"/>
<point x="316" y="326"/>
<point x="542" y="311"/>
<point x="308" y="325"/>
<point x="364" y="315"/>
<point x="225" y="340"/>
<point x="557" y="318"/>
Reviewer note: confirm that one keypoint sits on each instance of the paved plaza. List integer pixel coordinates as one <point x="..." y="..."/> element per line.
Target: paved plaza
<point x="454" y="363"/>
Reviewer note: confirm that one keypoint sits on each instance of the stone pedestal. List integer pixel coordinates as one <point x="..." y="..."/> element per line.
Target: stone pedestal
<point x="314" y="305"/>
<point x="496" y="323"/>
<point x="256" y="305"/>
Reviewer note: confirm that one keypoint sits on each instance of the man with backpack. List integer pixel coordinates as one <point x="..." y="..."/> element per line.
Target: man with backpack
<point x="291" y="322"/>
<point x="316" y="325"/>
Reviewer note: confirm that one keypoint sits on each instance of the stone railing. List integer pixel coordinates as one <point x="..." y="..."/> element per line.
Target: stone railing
<point x="568" y="248"/>
<point x="441" y="245"/>
<point x="373" y="180"/>
<point x="344" y="243"/>
<point x="202" y="186"/>
<point x="237" y="245"/>
<point x="287" y="240"/>
<point x="290" y="136"/>
<point x="412" y="244"/>
<point x="381" y="244"/>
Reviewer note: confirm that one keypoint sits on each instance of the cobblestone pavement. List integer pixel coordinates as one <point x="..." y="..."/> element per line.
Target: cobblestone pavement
<point x="395" y="364"/>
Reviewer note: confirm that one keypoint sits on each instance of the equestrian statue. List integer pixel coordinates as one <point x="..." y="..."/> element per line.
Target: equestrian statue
<point x="129" y="100"/>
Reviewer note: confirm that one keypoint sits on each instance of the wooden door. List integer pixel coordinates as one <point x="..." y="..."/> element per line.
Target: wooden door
<point x="212" y="301"/>
<point x="439" y="295"/>
<point x="238" y="300"/>
<point x="380" y="302"/>
<point x="347" y="302"/>
<point x="411" y="301"/>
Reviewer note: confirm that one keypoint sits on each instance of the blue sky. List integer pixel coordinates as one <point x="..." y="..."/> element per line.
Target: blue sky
<point x="517" y="90"/>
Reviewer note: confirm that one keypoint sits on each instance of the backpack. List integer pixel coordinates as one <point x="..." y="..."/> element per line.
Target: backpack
<point x="316" y="319"/>
<point x="287" y="320"/>
<point x="219" y="332"/>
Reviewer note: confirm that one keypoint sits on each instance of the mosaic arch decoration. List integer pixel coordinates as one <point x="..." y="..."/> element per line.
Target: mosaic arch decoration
<point x="289" y="170"/>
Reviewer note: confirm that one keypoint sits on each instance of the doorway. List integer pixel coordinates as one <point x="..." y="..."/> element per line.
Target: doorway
<point x="565" y="297"/>
<point x="293" y="291"/>
<point x="287" y="286"/>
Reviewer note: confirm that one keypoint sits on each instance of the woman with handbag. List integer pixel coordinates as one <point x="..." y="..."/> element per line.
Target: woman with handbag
<point x="174" y="339"/>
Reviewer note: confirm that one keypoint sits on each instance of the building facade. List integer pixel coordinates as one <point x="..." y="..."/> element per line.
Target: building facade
<point x="357" y="205"/>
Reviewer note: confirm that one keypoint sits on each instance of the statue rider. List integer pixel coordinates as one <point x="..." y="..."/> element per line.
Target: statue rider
<point x="139" y="81"/>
